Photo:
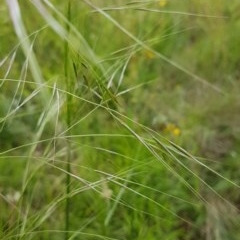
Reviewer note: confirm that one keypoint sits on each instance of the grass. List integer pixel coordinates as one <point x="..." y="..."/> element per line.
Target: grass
<point x="119" y="120"/>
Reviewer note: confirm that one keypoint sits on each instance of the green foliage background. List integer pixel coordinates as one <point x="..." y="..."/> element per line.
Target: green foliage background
<point x="126" y="110"/>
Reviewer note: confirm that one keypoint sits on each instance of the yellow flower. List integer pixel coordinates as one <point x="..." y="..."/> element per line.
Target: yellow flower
<point x="172" y="129"/>
<point x="163" y="3"/>
<point x="149" y="54"/>
<point x="176" y="132"/>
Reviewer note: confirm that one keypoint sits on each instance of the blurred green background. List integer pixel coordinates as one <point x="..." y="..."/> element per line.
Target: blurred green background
<point x="130" y="91"/>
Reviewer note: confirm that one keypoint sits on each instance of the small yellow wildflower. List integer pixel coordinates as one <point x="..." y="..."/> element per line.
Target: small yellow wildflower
<point x="172" y="129"/>
<point x="176" y="131"/>
<point x="163" y="3"/>
<point x="149" y="54"/>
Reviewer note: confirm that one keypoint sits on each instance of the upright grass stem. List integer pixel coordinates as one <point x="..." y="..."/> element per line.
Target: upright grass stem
<point x="68" y="120"/>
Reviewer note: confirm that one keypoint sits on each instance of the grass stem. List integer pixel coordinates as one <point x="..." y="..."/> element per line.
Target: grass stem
<point x="68" y="120"/>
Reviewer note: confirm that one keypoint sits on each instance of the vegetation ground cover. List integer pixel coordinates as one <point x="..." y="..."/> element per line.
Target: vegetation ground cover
<point x="119" y="120"/>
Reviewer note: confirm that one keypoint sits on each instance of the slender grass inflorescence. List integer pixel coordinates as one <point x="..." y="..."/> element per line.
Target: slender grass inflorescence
<point x="107" y="96"/>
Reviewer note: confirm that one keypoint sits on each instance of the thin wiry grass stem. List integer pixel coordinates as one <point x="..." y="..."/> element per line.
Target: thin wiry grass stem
<point x="68" y="120"/>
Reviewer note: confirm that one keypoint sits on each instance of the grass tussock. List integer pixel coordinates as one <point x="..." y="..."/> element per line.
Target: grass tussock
<point x="119" y="120"/>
